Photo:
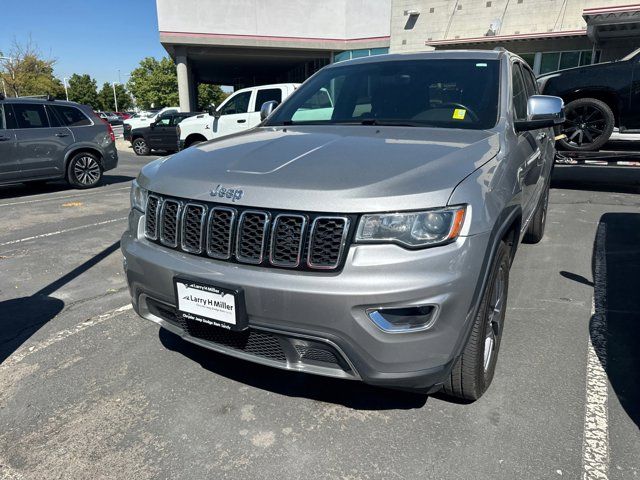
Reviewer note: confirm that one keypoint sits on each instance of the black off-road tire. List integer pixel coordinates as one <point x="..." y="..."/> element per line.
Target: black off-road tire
<point x="141" y="147"/>
<point x="469" y="377"/>
<point x="588" y="126"/>
<point x="535" y="230"/>
<point x="84" y="170"/>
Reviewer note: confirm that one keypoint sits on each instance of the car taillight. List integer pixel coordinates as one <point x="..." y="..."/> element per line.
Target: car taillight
<point x="111" y="134"/>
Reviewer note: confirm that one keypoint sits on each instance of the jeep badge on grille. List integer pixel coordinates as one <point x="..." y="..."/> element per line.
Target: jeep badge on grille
<point x="234" y="194"/>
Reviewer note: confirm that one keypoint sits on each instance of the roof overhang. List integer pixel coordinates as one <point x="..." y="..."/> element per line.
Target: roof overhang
<point x="609" y="23"/>
<point x="507" y="38"/>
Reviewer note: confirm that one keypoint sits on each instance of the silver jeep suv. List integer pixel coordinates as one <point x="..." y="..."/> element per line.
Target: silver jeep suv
<point x="43" y="140"/>
<point x="363" y="231"/>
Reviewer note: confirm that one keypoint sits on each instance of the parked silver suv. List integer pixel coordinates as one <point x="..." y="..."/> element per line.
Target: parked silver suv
<point x="367" y="237"/>
<point x="44" y="140"/>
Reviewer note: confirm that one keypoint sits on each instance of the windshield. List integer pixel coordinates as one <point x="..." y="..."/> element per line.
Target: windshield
<point x="422" y="93"/>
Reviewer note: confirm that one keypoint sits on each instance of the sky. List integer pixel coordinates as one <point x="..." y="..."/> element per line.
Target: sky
<point x="97" y="37"/>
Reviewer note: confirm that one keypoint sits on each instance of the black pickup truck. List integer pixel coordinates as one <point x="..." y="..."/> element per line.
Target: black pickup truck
<point x="598" y="98"/>
<point x="160" y="135"/>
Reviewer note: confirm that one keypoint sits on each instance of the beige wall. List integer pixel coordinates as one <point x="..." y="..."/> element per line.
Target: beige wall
<point x="473" y="19"/>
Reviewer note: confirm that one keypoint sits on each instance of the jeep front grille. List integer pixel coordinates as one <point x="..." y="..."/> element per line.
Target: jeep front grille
<point x="292" y="240"/>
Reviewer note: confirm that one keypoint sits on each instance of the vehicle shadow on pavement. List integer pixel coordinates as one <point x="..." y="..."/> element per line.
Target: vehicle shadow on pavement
<point x="347" y="393"/>
<point x="616" y="273"/>
<point x="20" y="318"/>
<point x="18" y="190"/>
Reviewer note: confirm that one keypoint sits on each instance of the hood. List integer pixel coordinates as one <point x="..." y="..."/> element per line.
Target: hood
<point x="341" y="169"/>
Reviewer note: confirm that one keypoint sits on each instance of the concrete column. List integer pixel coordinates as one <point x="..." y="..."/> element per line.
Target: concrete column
<point x="184" y="83"/>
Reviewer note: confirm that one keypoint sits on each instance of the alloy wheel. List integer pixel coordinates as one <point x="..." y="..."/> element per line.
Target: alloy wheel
<point x="86" y="170"/>
<point x="584" y="125"/>
<point x="140" y="147"/>
<point x="495" y="314"/>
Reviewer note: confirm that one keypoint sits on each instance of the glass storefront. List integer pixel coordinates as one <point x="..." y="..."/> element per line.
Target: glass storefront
<point x="364" y="52"/>
<point x="545" y="62"/>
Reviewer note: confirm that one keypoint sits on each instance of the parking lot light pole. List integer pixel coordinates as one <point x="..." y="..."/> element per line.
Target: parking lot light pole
<point x="4" y="86"/>
<point x="66" y="90"/>
<point x="115" y="97"/>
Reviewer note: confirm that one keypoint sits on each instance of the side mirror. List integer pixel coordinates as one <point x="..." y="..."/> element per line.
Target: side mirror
<point x="212" y="110"/>
<point x="267" y="108"/>
<point x="543" y="111"/>
<point x="152" y="125"/>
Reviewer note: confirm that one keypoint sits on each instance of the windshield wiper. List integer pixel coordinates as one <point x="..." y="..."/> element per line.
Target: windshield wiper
<point x="393" y="123"/>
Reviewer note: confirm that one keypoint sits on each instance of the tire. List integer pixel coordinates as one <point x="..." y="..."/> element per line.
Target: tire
<point x="588" y="126"/>
<point x="535" y="230"/>
<point x="140" y="147"/>
<point x="472" y="373"/>
<point x="84" y="170"/>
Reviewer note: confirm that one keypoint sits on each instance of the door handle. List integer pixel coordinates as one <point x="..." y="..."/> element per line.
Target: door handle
<point x="242" y="121"/>
<point x="60" y="134"/>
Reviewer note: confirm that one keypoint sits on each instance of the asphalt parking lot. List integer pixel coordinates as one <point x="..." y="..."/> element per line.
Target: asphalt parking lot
<point x="89" y="390"/>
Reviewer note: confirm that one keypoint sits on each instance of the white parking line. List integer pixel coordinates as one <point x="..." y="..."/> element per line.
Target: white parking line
<point x="58" y="337"/>
<point x="595" y="446"/>
<point x="58" y="232"/>
<point x="51" y="199"/>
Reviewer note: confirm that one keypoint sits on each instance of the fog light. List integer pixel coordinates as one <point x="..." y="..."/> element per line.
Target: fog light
<point x="405" y="319"/>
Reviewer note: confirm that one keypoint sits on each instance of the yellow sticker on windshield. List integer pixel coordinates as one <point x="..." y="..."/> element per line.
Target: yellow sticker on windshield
<point x="459" y="113"/>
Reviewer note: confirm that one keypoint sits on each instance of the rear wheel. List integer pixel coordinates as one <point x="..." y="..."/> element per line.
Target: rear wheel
<point x="588" y="126"/>
<point x="140" y="147"/>
<point x="84" y="170"/>
<point x="473" y="371"/>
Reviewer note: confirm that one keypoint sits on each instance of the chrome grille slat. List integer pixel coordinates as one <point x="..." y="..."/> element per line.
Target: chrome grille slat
<point x="327" y="241"/>
<point x="220" y="228"/>
<point x="293" y="240"/>
<point x="251" y="236"/>
<point x="193" y="220"/>
<point x="151" y="217"/>
<point x="287" y="240"/>
<point x="169" y="223"/>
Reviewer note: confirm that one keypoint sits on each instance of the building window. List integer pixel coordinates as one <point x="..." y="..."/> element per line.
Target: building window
<point x="552" y="61"/>
<point x="365" y="52"/>
<point x="459" y="7"/>
<point x="488" y="4"/>
<point x="431" y="10"/>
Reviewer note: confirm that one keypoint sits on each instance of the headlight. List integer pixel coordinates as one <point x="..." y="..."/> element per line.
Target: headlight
<point x="412" y="229"/>
<point x="138" y="196"/>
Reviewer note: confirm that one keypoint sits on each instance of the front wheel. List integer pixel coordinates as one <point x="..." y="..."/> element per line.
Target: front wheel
<point x="588" y="125"/>
<point x="84" y="170"/>
<point x="473" y="371"/>
<point x="140" y="147"/>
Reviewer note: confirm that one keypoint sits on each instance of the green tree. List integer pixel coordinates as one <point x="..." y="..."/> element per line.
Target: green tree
<point x="106" y="100"/>
<point x="83" y="89"/>
<point x="154" y="83"/>
<point x="210" y="94"/>
<point x="28" y="73"/>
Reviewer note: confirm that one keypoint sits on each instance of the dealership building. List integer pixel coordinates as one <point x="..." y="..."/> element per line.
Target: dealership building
<point x="253" y="42"/>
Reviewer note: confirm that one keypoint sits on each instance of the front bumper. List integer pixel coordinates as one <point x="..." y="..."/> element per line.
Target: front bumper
<point x="330" y="308"/>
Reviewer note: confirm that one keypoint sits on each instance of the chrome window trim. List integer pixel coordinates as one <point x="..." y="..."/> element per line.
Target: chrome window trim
<point x="234" y="215"/>
<point x="300" y="243"/>
<point x="157" y="215"/>
<point x="267" y="219"/>
<point x="345" y="233"/>
<point x="178" y="213"/>
<point x="203" y="217"/>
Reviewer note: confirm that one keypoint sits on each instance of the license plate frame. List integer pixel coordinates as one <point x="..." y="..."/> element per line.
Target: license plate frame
<point x="212" y="304"/>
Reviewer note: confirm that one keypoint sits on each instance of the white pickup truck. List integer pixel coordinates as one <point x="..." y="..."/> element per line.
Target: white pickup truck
<point x="144" y="119"/>
<point x="240" y="111"/>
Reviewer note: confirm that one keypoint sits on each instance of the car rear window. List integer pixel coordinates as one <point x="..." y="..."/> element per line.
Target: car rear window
<point x="30" y="115"/>
<point x="70" y="116"/>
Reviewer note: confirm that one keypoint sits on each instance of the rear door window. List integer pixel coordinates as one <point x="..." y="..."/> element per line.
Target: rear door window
<point x="267" y="95"/>
<point x="30" y="115"/>
<point x="70" y="116"/>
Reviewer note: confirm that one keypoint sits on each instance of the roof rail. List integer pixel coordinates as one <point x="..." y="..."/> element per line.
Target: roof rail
<point x="499" y="49"/>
